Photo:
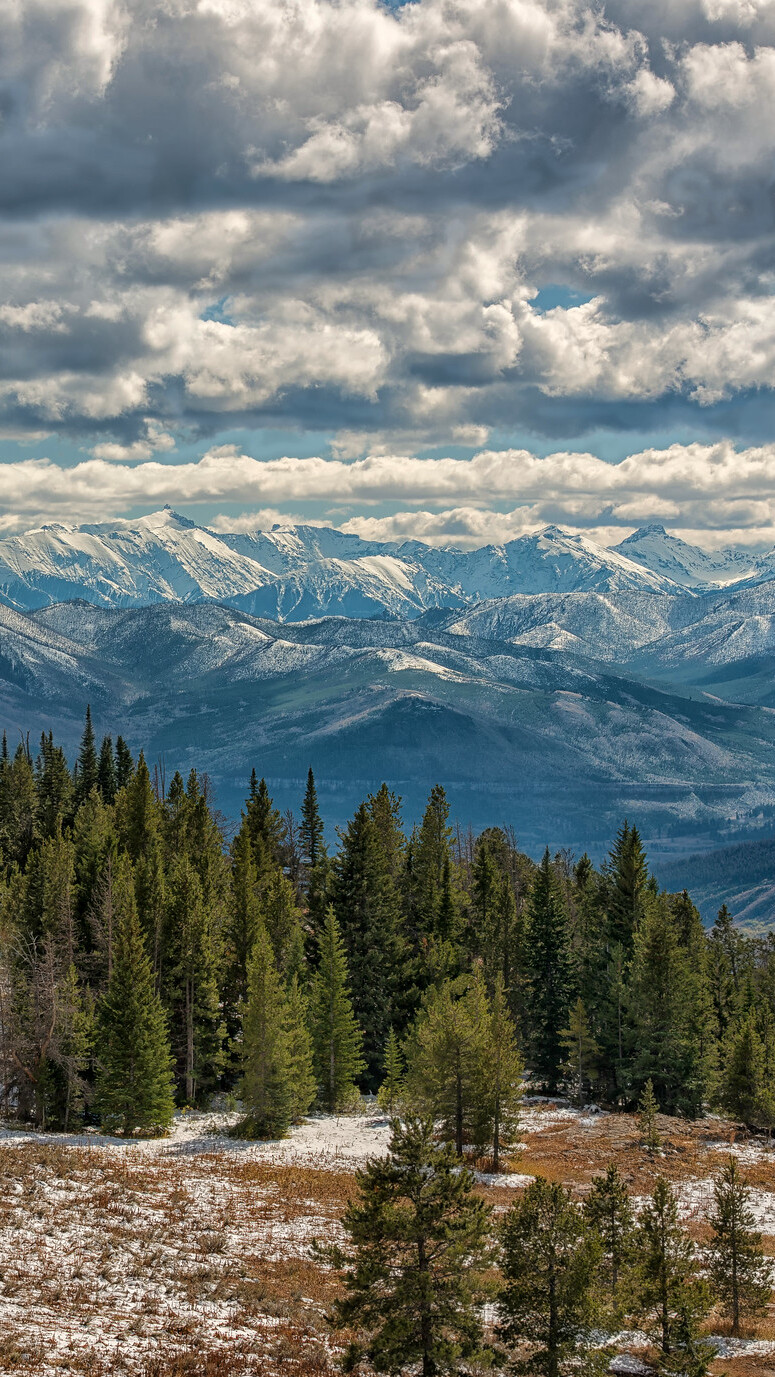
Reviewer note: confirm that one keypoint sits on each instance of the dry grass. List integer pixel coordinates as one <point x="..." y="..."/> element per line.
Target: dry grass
<point x="164" y="1264"/>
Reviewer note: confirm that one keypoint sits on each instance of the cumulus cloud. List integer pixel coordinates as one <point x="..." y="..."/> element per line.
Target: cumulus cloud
<point x="344" y="218"/>
<point x="495" y="495"/>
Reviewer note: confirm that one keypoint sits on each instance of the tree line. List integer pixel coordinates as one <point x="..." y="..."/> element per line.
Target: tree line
<point x="423" y="1257"/>
<point x="147" y="960"/>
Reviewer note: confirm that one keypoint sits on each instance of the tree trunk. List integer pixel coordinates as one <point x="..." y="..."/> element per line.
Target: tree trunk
<point x="496" y="1134"/>
<point x="459" y="1115"/>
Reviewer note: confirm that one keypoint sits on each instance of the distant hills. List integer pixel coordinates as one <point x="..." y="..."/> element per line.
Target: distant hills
<point x="549" y="682"/>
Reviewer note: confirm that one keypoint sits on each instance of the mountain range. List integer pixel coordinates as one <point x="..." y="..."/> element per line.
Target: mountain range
<point x="292" y="573"/>
<point x="550" y="682"/>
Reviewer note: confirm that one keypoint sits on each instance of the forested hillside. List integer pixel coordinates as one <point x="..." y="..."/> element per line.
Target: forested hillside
<point x="147" y="959"/>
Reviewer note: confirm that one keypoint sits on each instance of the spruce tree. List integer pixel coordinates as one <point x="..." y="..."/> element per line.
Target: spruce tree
<point x="447" y="1072"/>
<point x="582" y="1050"/>
<point x="125" y="765"/>
<point x="393" y="1085"/>
<point x="743" y="1088"/>
<point x="627" y="876"/>
<point x="106" y="771"/>
<point x="190" y="984"/>
<point x="311" y="829"/>
<point x="265" y="1088"/>
<point x="647" y="1119"/>
<point x="503" y="1072"/>
<point x="741" y="1274"/>
<point x="87" y="765"/>
<point x="663" y="1032"/>
<point x="134" y="1077"/>
<point x="301" y="1061"/>
<point x="415" y="1266"/>
<point x="336" y="1038"/>
<point x="608" y="1210"/>
<point x="670" y="1288"/>
<point x="551" y="975"/>
<point x="365" y="901"/>
<point x="550" y="1258"/>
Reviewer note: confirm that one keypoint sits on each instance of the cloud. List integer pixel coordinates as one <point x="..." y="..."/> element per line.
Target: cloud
<point x="714" y="487"/>
<point x="337" y="217"/>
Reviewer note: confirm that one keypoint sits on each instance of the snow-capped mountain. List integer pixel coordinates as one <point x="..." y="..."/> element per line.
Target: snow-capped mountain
<point x="687" y="565"/>
<point x="555" y="733"/>
<point x="297" y="572"/>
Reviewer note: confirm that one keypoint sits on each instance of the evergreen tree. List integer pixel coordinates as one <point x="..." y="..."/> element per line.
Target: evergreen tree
<point x="549" y="1262"/>
<point x="393" y="1085"/>
<point x="503" y="1072"/>
<point x="662" y="1004"/>
<point x="125" y="765"/>
<point x="550" y="972"/>
<point x="742" y="1276"/>
<point x="106" y="771"/>
<point x="365" y="901"/>
<point x="266" y="1071"/>
<point x="744" y="1088"/>
<point x="134" y="1078"/>
<point x="190" y="985"/>
<point x="87" y="765"/>
<point x="336" y="1038"/>
<point x="265" y="827"/>
<point x="607" y="1210"/>
<point x="627" y="877"/>
<point x="243" y="919"/>
<point x="311" y="836"/>
<point x="670" y="1288"/>
<point x="301" y="1061"/>
<point x="447" y="1068"/>
<point x="582" y="1050"/>
<point x="54" y="786"/>
<point x="414" y="1271"/>
<point x="690" y="1355"/>
<point x="647" y="1119"/>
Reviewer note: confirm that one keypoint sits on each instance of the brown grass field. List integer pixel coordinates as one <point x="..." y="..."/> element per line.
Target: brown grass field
<point x="193" y="1258"/>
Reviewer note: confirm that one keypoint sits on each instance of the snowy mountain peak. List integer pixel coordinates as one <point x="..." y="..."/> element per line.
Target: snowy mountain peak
<point x="656" y="549"/>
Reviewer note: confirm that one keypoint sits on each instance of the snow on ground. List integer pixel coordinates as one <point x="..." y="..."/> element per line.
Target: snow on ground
<point x="339" y="1143"/>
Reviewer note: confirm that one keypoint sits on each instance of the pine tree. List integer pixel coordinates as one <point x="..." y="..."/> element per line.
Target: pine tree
<point x="647" y="1119"/>
<point x="690" y="1355"/>
<point x="582" y="1050"/>
<point x="266" y="1080"/>
<point x="125" y="765"/>
<point x="311" y="830"/>
<point x="87" y="765"/>
<point x="393" y="1084"/>
<point x="301" y="1061"/>
<point x="662" y="1006"/>
<point x="550" y="972"/>
<point x="365" y="901"/>
<point x="447" y="1075"/>
<point x="607" y="1209"/>
<point x="741" y="1274"/>
<point x="134" y="1079"/>
<point x="191" y="979"/>
<point x="414" y="1270"/>
<point x="503" y="1072"/>
<point x="627" y="877"/>
<point x="106" y="771"/>
<point x="336" y="1038"/>
<point x="669" y="1285"/>
<point x="549" y="1262"/>
<point x="243" y="919"/>
<point x="743" y="1088"/>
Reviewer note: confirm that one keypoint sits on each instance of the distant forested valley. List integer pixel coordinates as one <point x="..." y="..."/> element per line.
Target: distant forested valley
<point x="152" y="957"/>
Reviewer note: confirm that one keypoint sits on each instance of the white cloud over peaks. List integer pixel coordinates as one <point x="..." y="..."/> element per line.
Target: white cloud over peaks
<point x="687" y="485"/>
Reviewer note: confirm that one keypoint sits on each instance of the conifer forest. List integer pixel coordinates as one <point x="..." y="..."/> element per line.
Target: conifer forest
<point x="158" y="963"/>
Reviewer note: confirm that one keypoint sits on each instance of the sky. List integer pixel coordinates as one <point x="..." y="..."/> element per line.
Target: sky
<point x="452" y="269"/>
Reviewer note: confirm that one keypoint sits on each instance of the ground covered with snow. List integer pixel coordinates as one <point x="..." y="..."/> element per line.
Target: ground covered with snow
<point x="192" y="1255"/>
